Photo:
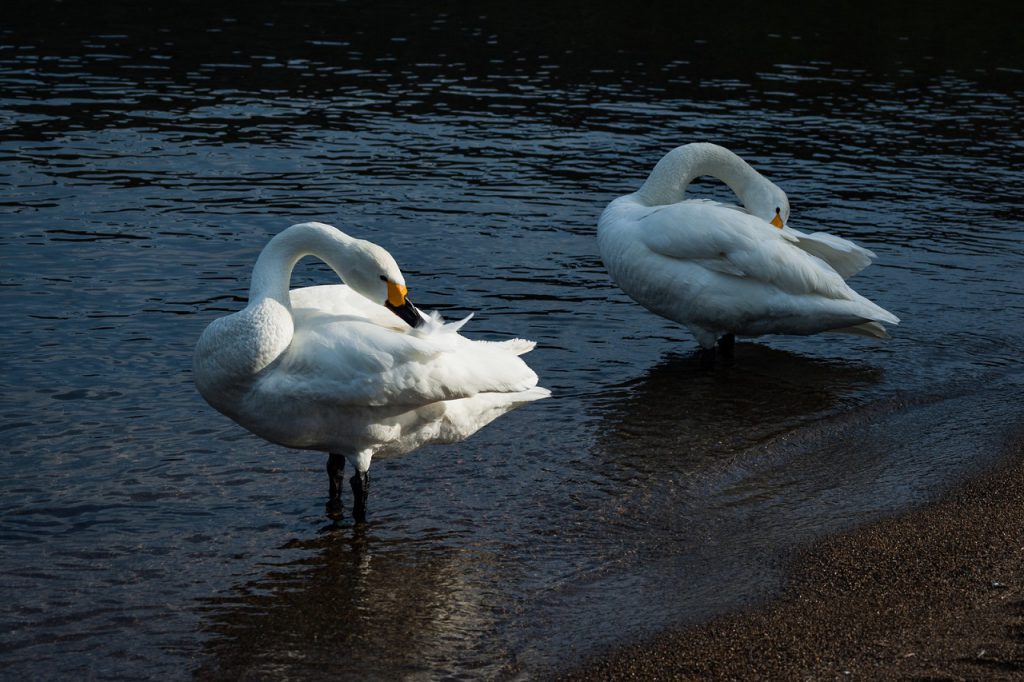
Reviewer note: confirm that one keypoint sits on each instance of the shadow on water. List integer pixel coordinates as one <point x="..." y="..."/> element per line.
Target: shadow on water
<point x="679" y="417"/>
<point x="354" y="606"/>
<point x="789" y="433"/>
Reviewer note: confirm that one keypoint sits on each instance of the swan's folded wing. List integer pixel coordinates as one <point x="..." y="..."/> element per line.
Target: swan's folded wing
<point x="347" y="361"/>
<point x="844" y="256"/>
<point x="738" y="245"/>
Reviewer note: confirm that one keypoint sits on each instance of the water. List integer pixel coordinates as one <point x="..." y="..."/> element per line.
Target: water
<point x="148" y="153"/>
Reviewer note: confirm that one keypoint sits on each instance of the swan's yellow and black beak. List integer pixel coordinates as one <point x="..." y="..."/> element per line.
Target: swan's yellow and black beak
<point x="400" y="305"/>
<point x="777" y="220"/>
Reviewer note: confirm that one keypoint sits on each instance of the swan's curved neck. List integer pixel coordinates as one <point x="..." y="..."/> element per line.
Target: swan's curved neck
<point x="272" y="274"/>
<point x="668" y="181"/>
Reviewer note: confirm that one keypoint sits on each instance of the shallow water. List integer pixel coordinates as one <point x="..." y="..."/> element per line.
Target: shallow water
<point x="149" y="153"/>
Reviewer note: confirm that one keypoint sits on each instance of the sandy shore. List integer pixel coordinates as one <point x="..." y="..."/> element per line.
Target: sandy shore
<point x="937" y="594"/>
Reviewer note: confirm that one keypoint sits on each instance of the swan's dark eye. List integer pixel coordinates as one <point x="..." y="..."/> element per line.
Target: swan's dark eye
<point x="384" y="278"/>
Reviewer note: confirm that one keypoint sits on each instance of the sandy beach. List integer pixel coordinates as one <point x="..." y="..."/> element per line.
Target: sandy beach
<point x="935" y="594"/>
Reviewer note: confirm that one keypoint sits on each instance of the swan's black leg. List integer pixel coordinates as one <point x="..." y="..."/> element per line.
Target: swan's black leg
<point x="360" y="491"/>
<point x="335" y="468"/>
<point x="706" y="357"/>
<point x="727" y="347"/>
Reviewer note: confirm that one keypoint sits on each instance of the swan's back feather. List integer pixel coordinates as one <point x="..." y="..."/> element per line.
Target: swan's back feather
<point x="737" y="244"/>
<point x="344" y="358"/>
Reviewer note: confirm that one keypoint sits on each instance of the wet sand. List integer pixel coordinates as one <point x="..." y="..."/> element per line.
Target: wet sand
<point x="936" y="594"/>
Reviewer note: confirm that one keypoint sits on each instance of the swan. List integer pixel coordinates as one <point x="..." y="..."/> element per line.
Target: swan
<point x="724" y="270"/>
<point x="354" y="369"/>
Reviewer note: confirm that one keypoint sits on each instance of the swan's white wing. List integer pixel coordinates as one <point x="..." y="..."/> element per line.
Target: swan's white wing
<point x="740" y="245"/>
<point x="348" y="351"/>
<point x="842" y="255"/>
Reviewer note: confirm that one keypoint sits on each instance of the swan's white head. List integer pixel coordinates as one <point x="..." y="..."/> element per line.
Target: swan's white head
<point x="766" y="200"/>
<point x="372" y="272"/>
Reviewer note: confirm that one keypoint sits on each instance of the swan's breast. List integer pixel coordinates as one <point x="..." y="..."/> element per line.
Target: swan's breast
<point x="233" y="351"/>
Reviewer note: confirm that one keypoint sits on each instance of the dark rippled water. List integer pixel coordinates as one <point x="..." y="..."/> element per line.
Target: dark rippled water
<point x="148" y="152"/>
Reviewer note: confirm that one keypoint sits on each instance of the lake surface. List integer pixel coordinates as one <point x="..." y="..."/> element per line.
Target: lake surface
<point x="149" y="152"/>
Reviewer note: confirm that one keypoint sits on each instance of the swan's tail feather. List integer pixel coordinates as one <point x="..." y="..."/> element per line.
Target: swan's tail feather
<point x="517" y="346"/>
<point x="885" y="316"/>
<point x="870" y="329"/>
<point x="535" y="393"/>
<point x="871" y="311"/>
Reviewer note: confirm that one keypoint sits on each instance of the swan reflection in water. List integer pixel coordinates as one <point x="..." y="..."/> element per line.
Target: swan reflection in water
<point x="355" y="369"/>
<point x="355" y="607"/>
<point x="679" y="418"/>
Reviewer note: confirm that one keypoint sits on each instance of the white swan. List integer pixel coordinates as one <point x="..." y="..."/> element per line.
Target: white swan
<point x="354" y="370"/>
<point x="724" y="270"/>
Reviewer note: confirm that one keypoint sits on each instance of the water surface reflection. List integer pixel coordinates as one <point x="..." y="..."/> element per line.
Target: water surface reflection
<point x="354" y="606"/>
<point x="678" y="418"/>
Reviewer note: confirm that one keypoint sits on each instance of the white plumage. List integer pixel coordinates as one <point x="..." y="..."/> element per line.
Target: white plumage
<point x="723" y="269"/>
<point x="331" y="368"/>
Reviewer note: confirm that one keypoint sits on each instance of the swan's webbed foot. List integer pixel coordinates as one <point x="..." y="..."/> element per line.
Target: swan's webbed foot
<point x="335" y="469"/>
<point x="727" y="348"/>
<point x="706" y="357"/>
<point x="360" y="491"/>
